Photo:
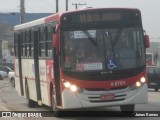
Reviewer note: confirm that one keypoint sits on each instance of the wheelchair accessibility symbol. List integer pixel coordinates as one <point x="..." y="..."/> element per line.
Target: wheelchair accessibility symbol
<point x="111" y="64"/>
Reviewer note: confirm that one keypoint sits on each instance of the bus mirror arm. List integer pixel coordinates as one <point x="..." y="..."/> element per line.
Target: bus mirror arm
<point x="147" y="42"/>
<point x="57" y="28"/>
<point x="56" y="43"/>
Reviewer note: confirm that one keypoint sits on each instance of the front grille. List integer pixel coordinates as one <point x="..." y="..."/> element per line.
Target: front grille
<point x="118" y="88"/>
<point x="95" y="89"/>
<point x="100" y="101"/>
<point x="103" y="89"/>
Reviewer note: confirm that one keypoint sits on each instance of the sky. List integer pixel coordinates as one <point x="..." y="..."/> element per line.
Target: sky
<point x="150" y="9"/>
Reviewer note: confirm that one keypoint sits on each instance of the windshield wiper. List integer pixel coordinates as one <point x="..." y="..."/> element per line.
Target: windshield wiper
<point x="90" y="38"/>
<point x="108" y="34"/>
<point x="117" y="36"/>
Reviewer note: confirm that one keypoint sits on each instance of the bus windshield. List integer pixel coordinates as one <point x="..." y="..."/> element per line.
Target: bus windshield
<point x="113" y="49"/>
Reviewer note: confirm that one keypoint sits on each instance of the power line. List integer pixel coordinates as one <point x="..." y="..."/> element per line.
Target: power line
<point x="78" y="4"/>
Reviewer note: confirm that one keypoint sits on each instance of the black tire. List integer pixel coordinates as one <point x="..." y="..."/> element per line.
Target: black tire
<point x="12" y="82"/>
<point x="127" y="109"/>
<point x="54" y="108"/>
<point x="156" y="89"/>
<point x="1" y="78"/>
<point x="31" y="103"/>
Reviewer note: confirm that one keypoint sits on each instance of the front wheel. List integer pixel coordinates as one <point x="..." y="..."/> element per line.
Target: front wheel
<point x="127" y="109"/>
<point x="54" y="107"/>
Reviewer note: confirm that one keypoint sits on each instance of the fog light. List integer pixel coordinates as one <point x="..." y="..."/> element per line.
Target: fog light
<point x="67" y="84"/>
<point x="143" y="79"/>
<point x="73" y="88"/>
<point x="138" y="84"/>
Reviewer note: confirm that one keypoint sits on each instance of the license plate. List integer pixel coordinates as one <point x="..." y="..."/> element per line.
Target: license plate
<point x="108" y="97"/>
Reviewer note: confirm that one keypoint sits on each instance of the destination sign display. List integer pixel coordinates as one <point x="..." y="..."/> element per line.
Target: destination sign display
<point x="87" y="18"/>
<point x="100" y="16"/>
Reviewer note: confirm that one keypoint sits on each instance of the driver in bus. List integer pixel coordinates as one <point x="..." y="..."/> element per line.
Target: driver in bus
<point x="83" y="53"/>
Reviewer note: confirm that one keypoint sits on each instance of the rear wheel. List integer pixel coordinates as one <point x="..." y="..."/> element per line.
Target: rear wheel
<point x="30" y="102"/>
<point x="156" y="89"/>
<point x="127" y="109"/>
<point x="1" y="78"/>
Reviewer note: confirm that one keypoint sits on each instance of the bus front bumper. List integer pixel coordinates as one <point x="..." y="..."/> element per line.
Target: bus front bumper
<point x="71" y="100"/>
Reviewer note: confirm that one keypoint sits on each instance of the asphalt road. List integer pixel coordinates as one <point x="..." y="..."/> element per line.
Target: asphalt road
<point x="11" y="101"/>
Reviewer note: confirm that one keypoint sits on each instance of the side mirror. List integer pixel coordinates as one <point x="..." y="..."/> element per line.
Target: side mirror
<point x="147" y="42"/>
<point x="55" y="42"/>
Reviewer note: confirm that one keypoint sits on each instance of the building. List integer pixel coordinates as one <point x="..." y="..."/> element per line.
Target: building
<point x="14" y="19"/>
<point x="7" y="22"/>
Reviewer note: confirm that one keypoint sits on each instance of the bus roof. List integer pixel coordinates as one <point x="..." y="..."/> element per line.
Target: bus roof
<point x="34" y="22"/>
<point x="57" y="17"/>
<point x="102" y="9"/>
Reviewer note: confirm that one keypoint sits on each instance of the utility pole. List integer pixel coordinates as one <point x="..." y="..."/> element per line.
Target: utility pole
<point x="76" y="5"/>
<point x="66" y="5"/>
<point x="57" y="6"/>
<point x="22" y="11"/>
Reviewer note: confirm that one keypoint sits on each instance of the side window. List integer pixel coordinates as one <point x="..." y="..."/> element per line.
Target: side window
<point x="22" y="44"/>
<point x="49" y="45"/>
<point x="41" y="42"/>
<point x="26" y="43"/>
<point x="16" y="44"/>
<point x="30" y="44"/>
<point x="19" y="49"/>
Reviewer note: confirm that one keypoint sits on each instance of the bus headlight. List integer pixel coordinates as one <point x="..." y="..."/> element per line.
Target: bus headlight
<point x="68" y="85"/>
<point x="138" y="84"/>
<point x="73" y="88"/>
<point x="143" y="79"/>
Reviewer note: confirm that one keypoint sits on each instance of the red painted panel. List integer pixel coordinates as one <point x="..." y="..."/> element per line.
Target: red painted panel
<point x="49" y="70"/>
<point x="104" y="84"/>
<point x="52" y="18"/>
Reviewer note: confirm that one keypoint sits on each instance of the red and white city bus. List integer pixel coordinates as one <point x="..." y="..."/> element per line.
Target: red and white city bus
<point x="84" y="58"/>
